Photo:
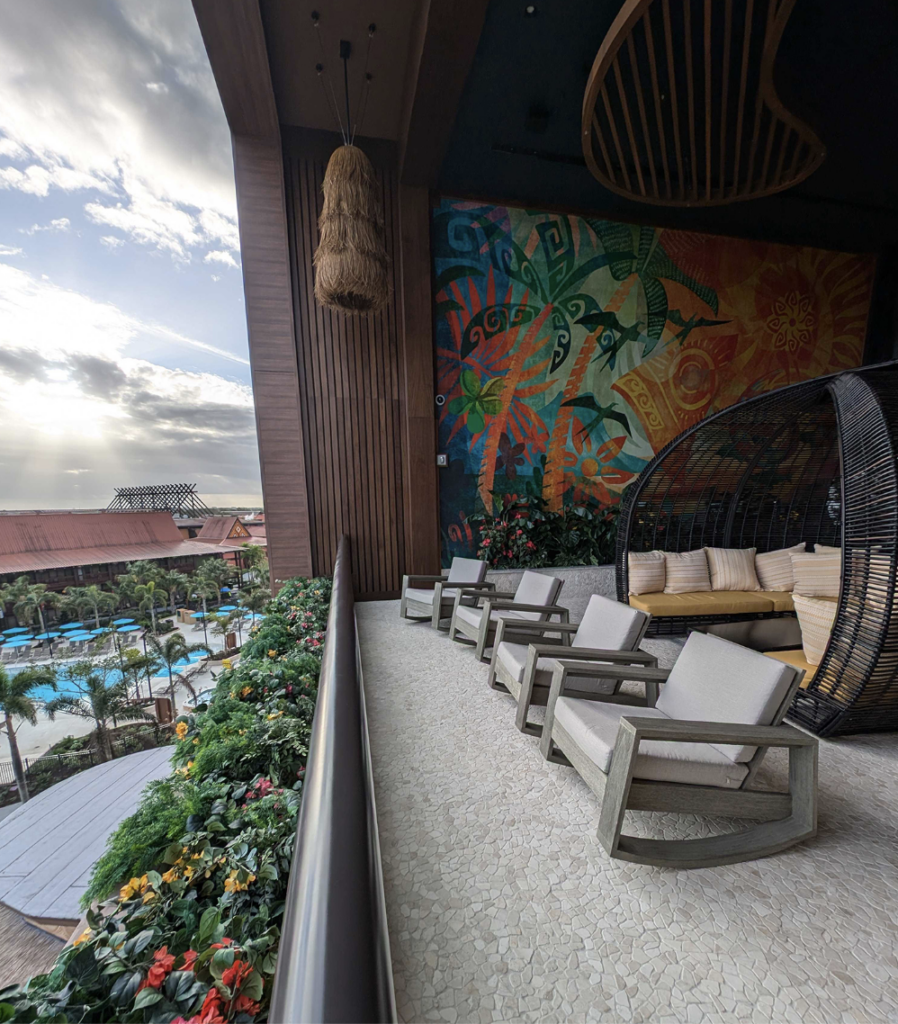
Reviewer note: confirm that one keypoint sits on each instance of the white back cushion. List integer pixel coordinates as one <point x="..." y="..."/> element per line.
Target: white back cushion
<point x="536" y="588"/>
<point x="714" y="680"/>
<point x="609" y="625"/>
<point x="466" y="570"/>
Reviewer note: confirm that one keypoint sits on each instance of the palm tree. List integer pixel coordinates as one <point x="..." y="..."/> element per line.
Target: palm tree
<point x="255" y="600"/>
<point x="204" y="587"/>
<point x="91" y="599"/>
<point x="17" y="702"/>
<point x="175" y="583"/>
<point x="97" y="701"/>
<point x="256" y="560"/>
<point x="171" y="650"/>
<point x="32" y="600"/>
<point x="217" y="570"/>
<point x="147" y="594"/>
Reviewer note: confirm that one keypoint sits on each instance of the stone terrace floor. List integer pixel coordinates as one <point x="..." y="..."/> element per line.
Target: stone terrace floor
<point x="503" y="906"/>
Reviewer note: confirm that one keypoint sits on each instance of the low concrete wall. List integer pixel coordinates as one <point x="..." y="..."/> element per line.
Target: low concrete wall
<point x="580" y="583"/>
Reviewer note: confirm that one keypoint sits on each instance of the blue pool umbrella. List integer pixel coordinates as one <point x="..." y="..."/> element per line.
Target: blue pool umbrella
<point x="129" y="629"/>
<point x="16" y="629"/>
<point x="72" y="625"/>
<point x="198" y="615"/>
<point x="20" y="642"/>
<point x="97" y="632"/>
<point x="228" y="608"/>
<point x="121" y="622"/>
<point x="47" y="636"/>
<point x="80" y="636"/>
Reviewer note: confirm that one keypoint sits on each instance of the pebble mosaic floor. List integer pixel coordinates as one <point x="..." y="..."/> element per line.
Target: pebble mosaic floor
<point x="503" y="907"/>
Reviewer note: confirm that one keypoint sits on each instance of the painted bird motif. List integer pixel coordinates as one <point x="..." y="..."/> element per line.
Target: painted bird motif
<point x="690" y="325"/>
<point x="602" y="413"/>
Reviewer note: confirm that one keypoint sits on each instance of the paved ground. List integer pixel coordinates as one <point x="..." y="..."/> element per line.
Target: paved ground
<point x="502" y="905"/>
<point x="49" y="845"/>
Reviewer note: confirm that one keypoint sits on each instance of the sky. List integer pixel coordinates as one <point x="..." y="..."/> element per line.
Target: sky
<point x="123" y="352"/>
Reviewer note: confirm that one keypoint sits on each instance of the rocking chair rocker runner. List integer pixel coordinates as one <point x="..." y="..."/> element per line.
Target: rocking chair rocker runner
<point x="697" y="751"/>
<point x="437" y="601"/>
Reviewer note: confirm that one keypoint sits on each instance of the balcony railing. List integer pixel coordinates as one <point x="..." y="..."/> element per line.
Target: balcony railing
<point x="334" y="960"/>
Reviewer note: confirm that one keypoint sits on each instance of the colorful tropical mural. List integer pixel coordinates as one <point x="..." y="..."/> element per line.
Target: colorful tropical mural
<point x="571" y="349"/>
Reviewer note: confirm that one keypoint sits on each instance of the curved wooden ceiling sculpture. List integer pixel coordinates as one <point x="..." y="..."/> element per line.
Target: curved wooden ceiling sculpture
<point x="681" y="110"/>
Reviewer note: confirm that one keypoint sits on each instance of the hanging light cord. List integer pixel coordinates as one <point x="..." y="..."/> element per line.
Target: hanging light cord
<point x="365" y="88"/>
<point x="332" y="104"/>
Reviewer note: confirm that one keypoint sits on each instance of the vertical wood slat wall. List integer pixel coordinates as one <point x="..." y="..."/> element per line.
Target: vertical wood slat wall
<point x="349" y="389"/>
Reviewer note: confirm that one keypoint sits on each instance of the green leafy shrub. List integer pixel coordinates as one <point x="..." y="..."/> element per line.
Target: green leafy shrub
<point x="193" y="933"/>
<point x="521" y="533"/>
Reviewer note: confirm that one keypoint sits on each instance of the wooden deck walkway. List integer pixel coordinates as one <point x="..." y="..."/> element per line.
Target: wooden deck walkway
<point x="49" y="845"/>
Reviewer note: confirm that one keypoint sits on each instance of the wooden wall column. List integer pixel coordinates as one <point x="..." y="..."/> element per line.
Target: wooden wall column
<point x="419" y="447"/>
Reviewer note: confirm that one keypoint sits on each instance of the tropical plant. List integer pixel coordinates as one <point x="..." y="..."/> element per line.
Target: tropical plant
<point x="255" y="558"/>
<point x="97" y="698"/>
<point x="17" y="702"/>
<point x="204" y="588"/>
<point x="174" y="583"/>
<point x="91" y="599"/>
<point x="255" y="601"/>
<point x="194" y="932"/>
<point x="169" y="652"/>
<point x="217" y="570"/>
<point x="30" y="599"/>
<point x="147" y="595"/>
<point x="478" y="399"/>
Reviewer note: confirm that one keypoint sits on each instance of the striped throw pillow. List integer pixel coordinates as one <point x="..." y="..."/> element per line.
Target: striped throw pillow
<point x="687" y="572"/>
<point x="816" y="618"/>
<point x="774" y="568"/>
<point x="817" y="575"/>
<point x="823" y="549"/>
<point x="646" y="572"/>
<point x="732" y="568"/>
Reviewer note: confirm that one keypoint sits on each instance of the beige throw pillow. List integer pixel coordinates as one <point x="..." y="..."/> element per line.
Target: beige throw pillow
<point x="687" y="572"/>
<point x="816" y="618"/>
<point x="817" y="575"/>
<point x="732" y="568"/>
<point x="774" y="568"/>
<point x="646" y="572"/>
<point x="823" y="549"/>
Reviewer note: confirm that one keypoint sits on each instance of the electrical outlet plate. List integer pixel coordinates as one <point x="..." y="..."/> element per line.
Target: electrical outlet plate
<point x="443" y="461"/>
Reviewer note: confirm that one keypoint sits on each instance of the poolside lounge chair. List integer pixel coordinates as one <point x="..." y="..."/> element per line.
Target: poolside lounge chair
<point x="697" y="751"/>
<point x="437" y="601"/>
<point x="609" y="632"/>
<point x="533" y="601"/>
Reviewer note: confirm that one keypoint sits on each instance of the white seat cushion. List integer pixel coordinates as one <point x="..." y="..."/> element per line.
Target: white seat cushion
<point x="466" y="570"/>
<point x="609" y="625"/>
<point x="714" y="680"/>
<point x="473" y="615"/>
<point x="420" y="595"/>
<point x="514" y="659"/>
<point x="593" y="726"/>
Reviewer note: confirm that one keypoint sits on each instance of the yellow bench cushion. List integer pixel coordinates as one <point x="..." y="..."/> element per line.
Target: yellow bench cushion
<point x="782" y="600"/>
<point x="797" y="659"/>
<point x="711" y="602"/>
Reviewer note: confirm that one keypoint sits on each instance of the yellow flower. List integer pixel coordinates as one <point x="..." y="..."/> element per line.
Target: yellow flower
<point x="247" y="690"/>
<point x="83" y="937"/>
<point x="170" y="876"/>
<point x="232" y="694"/>
<point x="189" y="872"/>
<point x="241" y="732"/>
<point x="233" y="885"/>
<point x="149" y="896"/>
<point x="272" y="654"/>
<point x="135" y="886"/>
<point x="277" y="714"/>
<point x="181" y="730"/>
<point x="196" y="742"/>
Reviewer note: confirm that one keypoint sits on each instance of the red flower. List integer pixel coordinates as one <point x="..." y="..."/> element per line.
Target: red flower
<point x="243" y="1004"/>
<point x="212" y="1011"/>
<point x="189" y="960"/>
<point x="235" y="975"/>
<point x="160" y="969"/>
<point x="221" y="945"/>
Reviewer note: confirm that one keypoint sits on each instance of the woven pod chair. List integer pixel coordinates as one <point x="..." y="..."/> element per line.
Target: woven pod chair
<point x="813" y="462"/>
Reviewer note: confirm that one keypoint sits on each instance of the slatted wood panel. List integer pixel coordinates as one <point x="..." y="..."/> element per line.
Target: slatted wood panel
<point x="269" y="313"/>
<point x="350" y="388"/>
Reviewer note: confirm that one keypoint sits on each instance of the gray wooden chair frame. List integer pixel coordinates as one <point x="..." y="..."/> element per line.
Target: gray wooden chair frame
<point x="482" y="635"/>
<point x="786" y="818"/>
<point x="443" y="598"/>
<point x="529" y="692"/>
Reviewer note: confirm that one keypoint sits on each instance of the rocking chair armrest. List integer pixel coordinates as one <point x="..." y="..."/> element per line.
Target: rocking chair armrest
<point x="505" y="605"/>
<point x="469" y="591"/>
<point x="681" y="731"/>
<point x="537" y="629"/>
<point x="625" y="673"/>
<point x="595" y="654"/>
<point x="468" y="586"/>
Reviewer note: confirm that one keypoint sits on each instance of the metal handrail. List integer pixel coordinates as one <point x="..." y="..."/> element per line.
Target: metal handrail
<point x="334" y="959"/>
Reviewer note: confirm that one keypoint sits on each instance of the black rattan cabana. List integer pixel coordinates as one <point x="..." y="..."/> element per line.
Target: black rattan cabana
<point x="814" y="462"/>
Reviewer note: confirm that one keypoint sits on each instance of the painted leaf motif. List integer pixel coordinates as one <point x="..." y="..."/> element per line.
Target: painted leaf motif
<point x="458" y="405"/>
<point x="611" y="448"/>
<point x="475" y="420"/>
<point x="492" y="388"/>
<point x="493" y="320"/>
<point x="455" y="273"/>
<point x="470" y="383"/>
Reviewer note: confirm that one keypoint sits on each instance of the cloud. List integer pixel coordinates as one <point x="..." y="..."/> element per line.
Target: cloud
<point x="80" y="114"/>
<point x="59" y="224"/>
<point x="111" y="242"/>
<point x="220" y="256"/>
<point x="9" y="250"/>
